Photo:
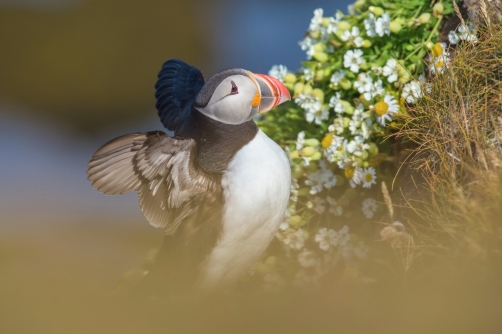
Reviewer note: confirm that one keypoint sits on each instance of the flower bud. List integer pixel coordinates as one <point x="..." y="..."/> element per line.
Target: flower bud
<point x="320" y="56"/>
<point x="294" y="155"/>
<point x="315" y="34"/>
<point x="366" y="43"/>
<point x="307" y="151"/>
<point x="344" y="25"/>
<point x="349" y="109"/>
<point x="317" y="92"/>
<point x="312" y="142"/>
<point x="298" y="88"/>
<point x="346" y="122"/>
<point x="319" y="46"/>
<point x="316" y="156"/>
<point x="359" y="4"/>
<point x="296" y="221"/>
<point x="346" y="84"/>
<point x="364" y="156"/>
<point x="424" y="18"/>
<point x="307" y="89"/>
<point x="373" y="150"/>
<point x="297" y="171"/>
<point x="319" y="75"/>
<point x="395" y="26"/>
<point x="437" y="9"/>
<point x="325" y="21"/>
<point x="376" y="10"/>
<point x="290" y="78"/>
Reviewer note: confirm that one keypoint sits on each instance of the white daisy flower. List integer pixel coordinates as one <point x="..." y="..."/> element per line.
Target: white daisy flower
<point x="307" y="45"/>
<point x="357" y="146"/>
<point x="376" y="89"/>
<point x="319" y="205"/>
<point x="292" y="238"/>
<point x="352" y="37"/>
<point x="316" y="21"/>
<point x="354" y="175"/>
<point x="385" y="109"/>
<point x="308" y="73"/>
<point x="326" y="238"/>
<point x="467" y="33"/>
<point x="334" y="102"/>
<point x="334" y="209"/>
<point x="333" y="23"/>
<point x="382" y="25"/>
<point x="278" y="72"/>
<point x="307" y="258"/>
<point x="361" y="250"/>
<point x="343" y="236"/>
<point x="377" y="70"/>
<point x="312" y="107"/>
<point x="352" y="59"/>
<point x="390" y="70"/>
<point x="369" y="177"/>
<point x="369" y="207"/>
<point x="300" y="140"/>
<point x="453" y="37"/>
<point x="369" y="25"/>
<point x="337" y="77"/>
<point x="363" y="83"/>
<point x="412" y="91"/>
<point x="440" y="63"/>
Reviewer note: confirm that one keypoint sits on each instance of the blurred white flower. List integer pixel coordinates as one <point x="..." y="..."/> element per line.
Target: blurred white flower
<point x="335" y="209"/>
<point x="312" y="107"/>
<point x="323" y="177"/>
<point x="412" y="91"/>
<point x="467" y="33"/>
<point x="278" y="72"/>
<point x="369" y="177"/>
<point x="359" y="117"/>
<point x="308" y="72"/>
<point x="326" y="238"/>
<point x="390" y="70"/>
<point x="453" y="37"/>
<point x="352" y="59"/>
<point x="361" y="250"/>
<point x="440" y="63"/>
<point x="376" y="89"/>
<point x="319" y="205"/>
<point x="363" y="83"/>
<point x="300" y="140"/>
<point x="316" y="21"/>
<point x="307" y="45"/>
<point x="356" y="178"/>
<point x="343" y="236"/>
<point x="382" y="25"/>
<point x="307" y="258"/>
<point x="369" y="25"/>
<point x="333" y="23"/>
<point x="377" y="70"/>
<point x="352" y="37"/>
<point x="369" y="207"/>
<point x="385" y="109"/>
<point x="337" y="77"/>
<point x="357" y="146"/>
<point x="334" y="102"/>
<point x="292" y="238"/>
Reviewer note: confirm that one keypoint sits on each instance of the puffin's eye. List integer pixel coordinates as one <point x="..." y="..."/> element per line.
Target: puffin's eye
<point x="234" y="90"/>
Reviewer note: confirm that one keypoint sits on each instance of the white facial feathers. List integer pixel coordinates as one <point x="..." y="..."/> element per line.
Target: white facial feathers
<point x="231" y="102"/>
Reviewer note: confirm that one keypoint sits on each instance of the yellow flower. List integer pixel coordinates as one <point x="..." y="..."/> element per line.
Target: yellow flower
<point x="437" y="50"/>
<point x="381" y="108"/>
<point x="349" y="172"/>
<point x="326" y="141"/>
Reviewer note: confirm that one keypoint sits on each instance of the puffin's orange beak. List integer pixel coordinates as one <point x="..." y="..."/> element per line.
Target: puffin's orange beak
<point x="272" y="91"/>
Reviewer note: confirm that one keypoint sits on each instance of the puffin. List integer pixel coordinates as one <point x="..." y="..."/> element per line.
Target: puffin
<point x="216" y="184"/>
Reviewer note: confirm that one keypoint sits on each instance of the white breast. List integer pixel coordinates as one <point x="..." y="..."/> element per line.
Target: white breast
<point x="256" y="188"/>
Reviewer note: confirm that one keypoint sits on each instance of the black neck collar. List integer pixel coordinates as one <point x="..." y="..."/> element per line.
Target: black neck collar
<point x="217" y="143"/>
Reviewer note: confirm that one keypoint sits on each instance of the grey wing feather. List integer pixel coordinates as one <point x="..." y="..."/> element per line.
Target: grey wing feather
<point x="161" y="169"/>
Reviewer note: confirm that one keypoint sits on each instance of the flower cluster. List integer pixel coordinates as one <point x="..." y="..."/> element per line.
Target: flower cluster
<point x="348" y="97"/>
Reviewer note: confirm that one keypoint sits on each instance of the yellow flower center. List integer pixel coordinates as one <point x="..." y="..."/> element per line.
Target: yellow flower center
<point x="381" y="108"/>
<point x="368" y="177"/>
<point x="437" y="50"/>
<point x="439" y="64"/>
<point x="349" y="172"/>
<point x="326" y="142"/>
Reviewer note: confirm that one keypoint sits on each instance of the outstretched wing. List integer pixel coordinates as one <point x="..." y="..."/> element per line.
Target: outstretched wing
<point x="176" y="89"/>
<point x="161" y="169"/>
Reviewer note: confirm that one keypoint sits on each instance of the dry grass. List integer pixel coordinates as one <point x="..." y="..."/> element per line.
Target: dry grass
<point x="456" y="132"/>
